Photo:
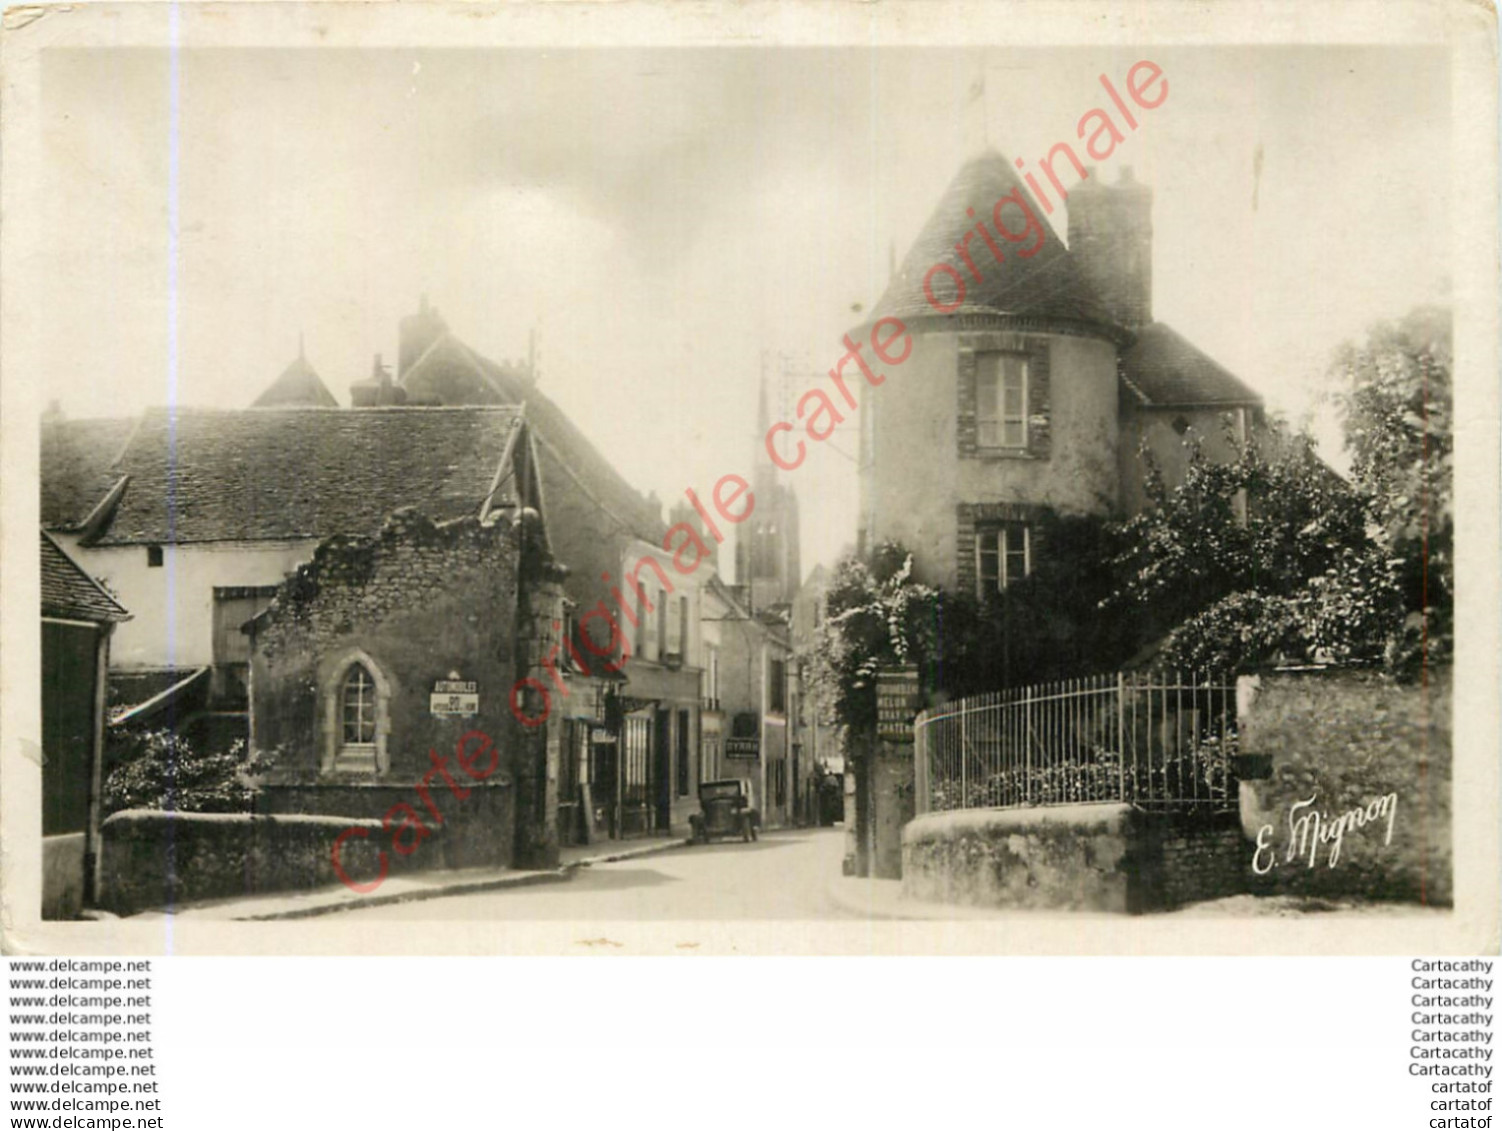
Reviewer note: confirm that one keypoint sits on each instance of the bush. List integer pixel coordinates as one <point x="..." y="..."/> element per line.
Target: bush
<point x="161" y="770"/>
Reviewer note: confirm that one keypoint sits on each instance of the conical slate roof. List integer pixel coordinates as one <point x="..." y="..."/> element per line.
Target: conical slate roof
<point x="1047" y="285"/>
<point x="298" y="385"/>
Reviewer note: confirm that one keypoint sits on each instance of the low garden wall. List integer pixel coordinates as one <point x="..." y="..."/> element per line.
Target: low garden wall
<point x="478" y="830"/>
<point x="154" y="859"/>
<point x="1354" y="796"/>
<point x="1099" y="857"/>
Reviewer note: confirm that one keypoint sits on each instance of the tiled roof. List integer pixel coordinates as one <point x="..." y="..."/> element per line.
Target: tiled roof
<point x="200" y="475"/>
<point x="75" y="460"/>
<point x="453" y="371"/>
<point x="299" y="384"/>
<point x="69" y="592"/>
<point x="1164" y="368"/>
<point x="1047" y="285"/>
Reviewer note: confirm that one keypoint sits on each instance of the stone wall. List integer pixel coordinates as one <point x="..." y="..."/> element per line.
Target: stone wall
<point x="1106" y="857"/>
<point x="152" y="859"/>
<point x="1340" y="742"/>
<point x="477" y="830"/>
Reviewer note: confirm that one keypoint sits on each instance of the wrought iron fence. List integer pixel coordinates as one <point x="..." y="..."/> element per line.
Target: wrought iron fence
<point x="1151" y="741"/>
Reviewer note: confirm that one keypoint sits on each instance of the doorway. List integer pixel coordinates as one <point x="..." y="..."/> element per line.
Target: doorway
<point x="662" y="779"/>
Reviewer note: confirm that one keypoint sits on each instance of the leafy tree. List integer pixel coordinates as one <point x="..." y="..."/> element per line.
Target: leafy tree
<point x="1249" y="559"/>
<point x="1395" y="394"/>
<point x="161" y="770"/>
<point x="1351" y="572"/>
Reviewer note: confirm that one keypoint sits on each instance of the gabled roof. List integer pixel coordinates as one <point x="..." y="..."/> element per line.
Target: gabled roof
<point x="299" y="384"/>
<point x="1164" y="368"/>
<point x="70" y="593"/>
<point x="451" y="372"/>
<point x="198" y="475"/>
<point x="1047" y="285"/>
<point x="75" y="459"/>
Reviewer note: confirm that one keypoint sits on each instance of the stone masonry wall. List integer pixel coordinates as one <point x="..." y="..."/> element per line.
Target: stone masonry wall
<point x="153" y="859"/>
<point x="419" y="603"/>
<point x="1106" y="857"/>
<point x="1340" y="742"/>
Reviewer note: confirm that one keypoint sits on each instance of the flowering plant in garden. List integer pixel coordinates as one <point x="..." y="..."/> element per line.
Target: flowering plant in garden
<point x="878" y="617"/>
<point x="1318" y="567"/>
<point x="158" y="769"/>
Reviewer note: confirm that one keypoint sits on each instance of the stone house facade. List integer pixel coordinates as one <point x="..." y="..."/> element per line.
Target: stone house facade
<point x="384" y="655"/>
<point x="632" y="733"/>
<point x="195" y="516"/>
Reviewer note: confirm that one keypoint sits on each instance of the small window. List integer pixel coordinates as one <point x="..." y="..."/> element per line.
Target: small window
<point x="154" y="556"/>
<point x="1001" y="401"/>
<point x="1181" y="424"/>
<point x="777" y="697"/>
<point x="683" y="628"/>
<point x="1004" y="555"/>
<point x="358" y="705"/>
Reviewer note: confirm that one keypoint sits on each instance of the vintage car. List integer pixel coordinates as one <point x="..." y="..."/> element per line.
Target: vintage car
<point x="724" y="810"/>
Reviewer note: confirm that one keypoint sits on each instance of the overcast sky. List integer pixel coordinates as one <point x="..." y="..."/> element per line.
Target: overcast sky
<point x="663" y="218"/>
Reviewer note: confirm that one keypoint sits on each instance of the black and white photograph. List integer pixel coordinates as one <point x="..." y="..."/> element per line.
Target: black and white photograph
<point x="799" y="480"/>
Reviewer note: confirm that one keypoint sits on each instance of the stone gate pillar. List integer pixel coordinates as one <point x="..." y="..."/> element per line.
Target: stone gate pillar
<point x="890" y="771"/>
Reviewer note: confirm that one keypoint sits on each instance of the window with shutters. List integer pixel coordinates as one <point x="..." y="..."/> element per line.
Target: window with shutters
<point x="1003" y="400"/>
<point x="1000" y="400"/>
<point x="1002" y="556"/>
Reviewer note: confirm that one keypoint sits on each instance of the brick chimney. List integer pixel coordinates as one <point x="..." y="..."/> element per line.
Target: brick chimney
<point x="415" y="333"/>
<point x="377" y="391"/>
<point x="1111" y="237"/>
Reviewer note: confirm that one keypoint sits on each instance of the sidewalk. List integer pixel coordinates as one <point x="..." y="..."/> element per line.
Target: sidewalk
<point x="882" y="899"/>
<point x="337" y="897"/>
<point x="414" y="886"/>
<point x="608" y="851"/>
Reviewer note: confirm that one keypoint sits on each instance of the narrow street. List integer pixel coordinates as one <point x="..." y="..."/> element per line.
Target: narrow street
<point x="784" y="875"/>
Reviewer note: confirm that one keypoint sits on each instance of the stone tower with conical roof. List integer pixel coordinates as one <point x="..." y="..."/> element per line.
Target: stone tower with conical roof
<point x="1006" y="410"/>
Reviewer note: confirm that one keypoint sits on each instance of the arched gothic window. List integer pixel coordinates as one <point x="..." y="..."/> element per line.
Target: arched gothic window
<point x="358" y="707"/>
<point x="356" y="716"/>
